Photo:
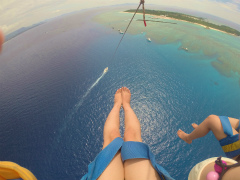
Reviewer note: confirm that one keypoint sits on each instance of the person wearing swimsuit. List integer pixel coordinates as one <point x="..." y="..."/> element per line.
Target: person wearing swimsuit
<point x="225" y="129"/>
<point x="127" y="158"/>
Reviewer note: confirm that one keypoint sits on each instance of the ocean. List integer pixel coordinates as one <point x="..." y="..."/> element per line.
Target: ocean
<point x="55" y="98"/>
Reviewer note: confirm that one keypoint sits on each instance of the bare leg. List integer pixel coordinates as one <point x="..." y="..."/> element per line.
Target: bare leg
<point x="234" y="122"/>
<point x="194" y="125"/>
<point x="132" y="124"/>
<point x="111" y="131"/>
<point x="212" y="123"/>
<point x="135" y="169"/>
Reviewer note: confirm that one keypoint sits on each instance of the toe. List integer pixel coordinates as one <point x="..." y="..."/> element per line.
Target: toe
<point x="119" y="90"/>
<point x="179" y="132"/>
<point x="194" y="125"/>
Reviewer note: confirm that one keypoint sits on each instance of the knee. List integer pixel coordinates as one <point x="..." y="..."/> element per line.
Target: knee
<point x="130" y="134"/>
<point x="212" y="117"/>
<point x="111" y="135"/>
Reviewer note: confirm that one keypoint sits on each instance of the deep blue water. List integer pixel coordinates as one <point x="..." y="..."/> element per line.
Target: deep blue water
<point x="52" y="117"/>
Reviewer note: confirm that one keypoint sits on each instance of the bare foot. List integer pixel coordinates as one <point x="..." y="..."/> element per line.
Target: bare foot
<point x="194" y="125"/>
<point x="118" y="98"/>
<point x="184" y="136"/>
<point x="126" y="97"/>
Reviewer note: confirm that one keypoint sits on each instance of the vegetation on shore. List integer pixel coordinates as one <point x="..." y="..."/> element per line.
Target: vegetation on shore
<point x="189" y="18"/>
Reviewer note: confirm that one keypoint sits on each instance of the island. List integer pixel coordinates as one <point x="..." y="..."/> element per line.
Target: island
<point x="188" y="18"/>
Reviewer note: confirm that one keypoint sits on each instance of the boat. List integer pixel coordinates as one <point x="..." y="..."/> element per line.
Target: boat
<point x="105" y="70"/>
<point x="149" y="40"/>
<point x="186" y="49"/>
<point x="120" y="31"/>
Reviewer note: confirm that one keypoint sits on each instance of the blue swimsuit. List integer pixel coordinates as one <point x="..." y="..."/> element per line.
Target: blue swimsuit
<point x="231" y="143"/>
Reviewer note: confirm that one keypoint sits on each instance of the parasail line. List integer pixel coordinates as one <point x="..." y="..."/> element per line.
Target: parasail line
<point x="141" y="2"/>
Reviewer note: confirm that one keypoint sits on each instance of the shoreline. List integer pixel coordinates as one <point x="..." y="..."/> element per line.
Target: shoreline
<point x="164" y="17"/>
<point x="222" y="46"/>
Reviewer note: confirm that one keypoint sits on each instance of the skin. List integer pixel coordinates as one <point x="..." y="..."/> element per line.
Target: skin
<point x="211" y="123"/>
<point x="133" y="169"/>
<point x="1" y="40"/>
<point x="111" y="131"/>
<point x="139" y="169"/>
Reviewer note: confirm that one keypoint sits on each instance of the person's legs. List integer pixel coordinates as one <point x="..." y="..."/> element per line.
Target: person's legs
<point x="212" y="123"/>
<point x="234" y="122"/>
<point x="135" y="169"/>
<point x="111" y="131"/>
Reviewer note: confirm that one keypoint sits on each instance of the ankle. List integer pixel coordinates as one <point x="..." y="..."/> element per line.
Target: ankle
<point x="117" y="105"/>
<point x="188" y="139"/>
<point x="126" y="106"/>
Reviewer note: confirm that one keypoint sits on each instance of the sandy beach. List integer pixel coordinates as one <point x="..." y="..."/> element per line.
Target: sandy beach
<point x="169" y="18"/>
<point x="196" y="38"/>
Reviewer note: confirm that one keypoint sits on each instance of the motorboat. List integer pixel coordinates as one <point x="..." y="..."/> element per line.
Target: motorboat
<point x="105" y="70"/>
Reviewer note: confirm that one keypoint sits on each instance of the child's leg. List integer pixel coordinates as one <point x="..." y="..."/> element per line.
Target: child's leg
<point x="111" y="131"/>
<point x="212" y="123"/>
<point x="135" y="169"/>
<point x="234" y="122"/>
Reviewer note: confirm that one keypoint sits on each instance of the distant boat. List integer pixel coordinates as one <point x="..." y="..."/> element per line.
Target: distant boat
<point x="186" y="49"/>
<point x="120" y="31"/>
<point x="105" y="70"/>
<point x="149" y="40"/>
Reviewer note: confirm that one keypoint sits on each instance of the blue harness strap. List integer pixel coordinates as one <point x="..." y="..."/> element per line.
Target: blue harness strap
<point x="100" y="163"/>
<point x="133" y="150"/>
<point x="227" y="128"/>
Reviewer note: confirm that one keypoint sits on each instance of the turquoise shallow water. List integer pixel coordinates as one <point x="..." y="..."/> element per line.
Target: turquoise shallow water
<point x="54" y="99"/>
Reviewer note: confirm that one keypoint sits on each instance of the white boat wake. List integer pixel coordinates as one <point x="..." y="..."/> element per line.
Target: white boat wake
<point x="77" y="106"/>
<point x="88" y="91"/>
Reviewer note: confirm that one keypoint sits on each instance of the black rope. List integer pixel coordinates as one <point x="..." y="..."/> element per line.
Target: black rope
<point x="225" y="167"/>
<point x="141" y="2"/>
<point x="238" y="158"/>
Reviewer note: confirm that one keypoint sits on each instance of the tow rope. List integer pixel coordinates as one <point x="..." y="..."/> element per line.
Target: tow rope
<point x="141" y="3"/>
